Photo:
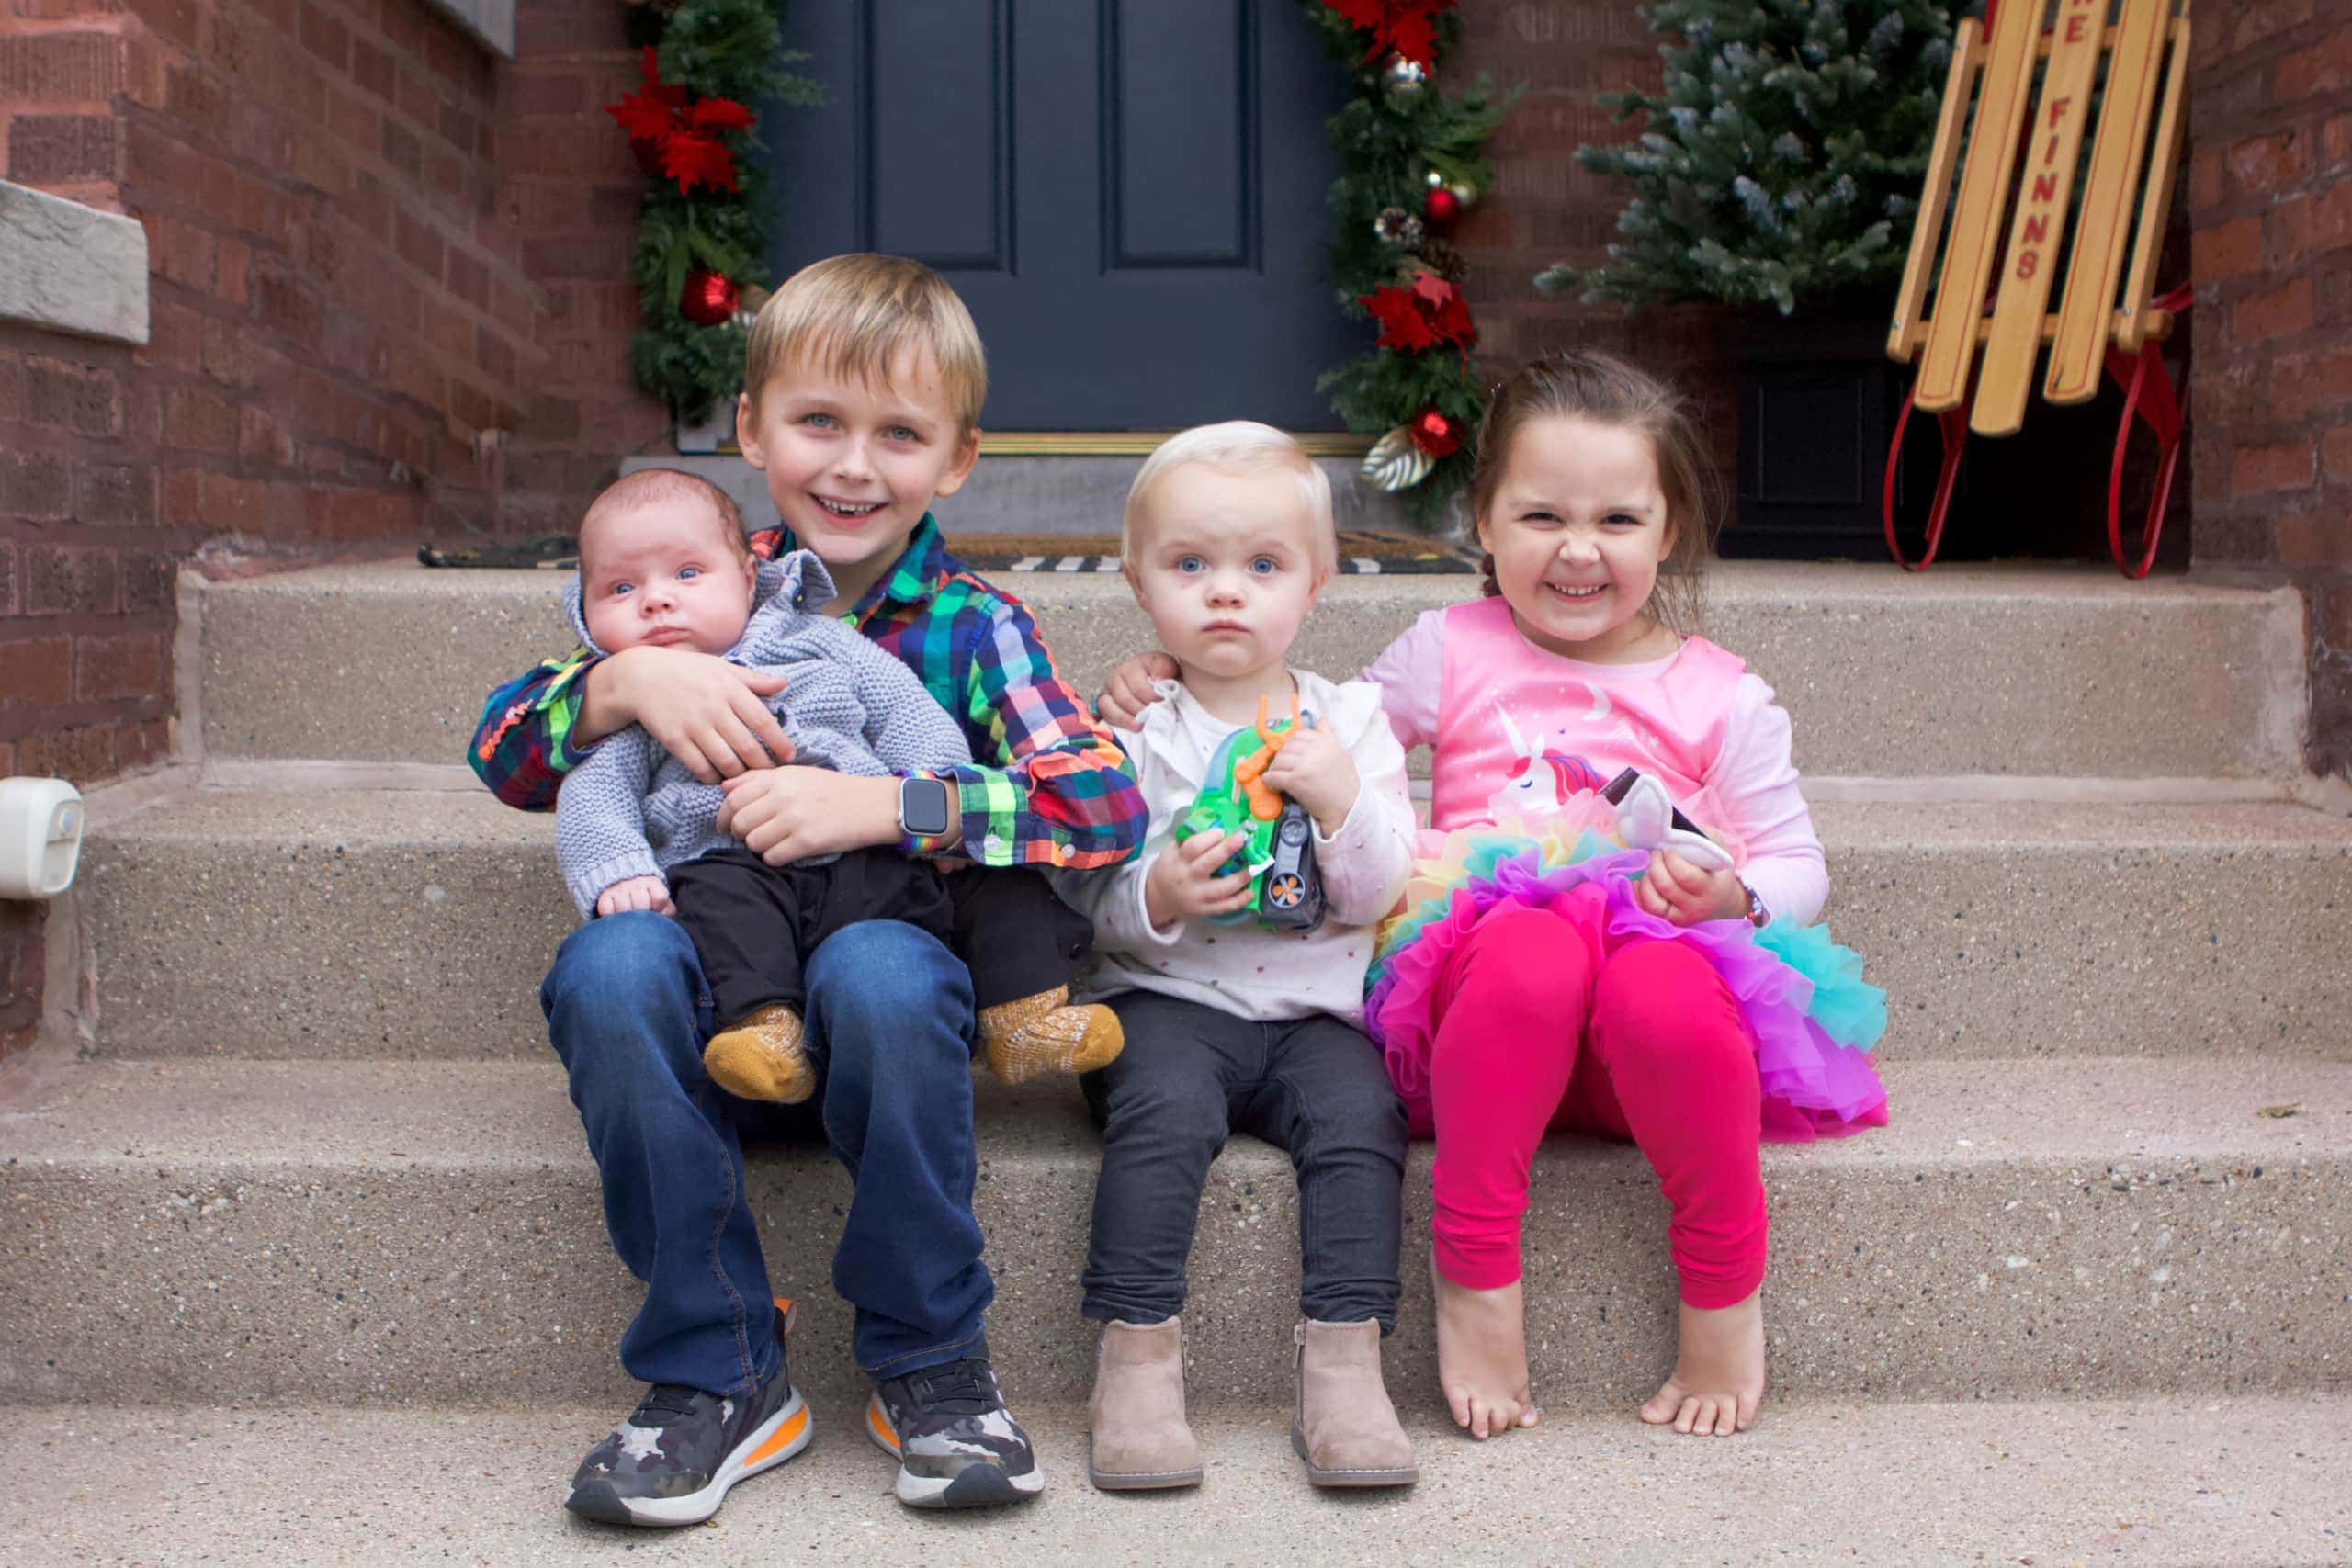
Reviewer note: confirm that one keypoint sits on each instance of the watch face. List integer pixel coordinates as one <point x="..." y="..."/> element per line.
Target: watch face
<point x="922" y="807"/>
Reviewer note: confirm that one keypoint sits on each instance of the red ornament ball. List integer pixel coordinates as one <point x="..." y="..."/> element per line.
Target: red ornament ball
<point x="710" y="298"/>
<point x="1436" y="434"/>
<point x="1442" y="206"/>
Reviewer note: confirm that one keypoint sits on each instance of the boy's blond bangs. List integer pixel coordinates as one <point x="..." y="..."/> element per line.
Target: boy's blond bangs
<point x="854" y="316"/>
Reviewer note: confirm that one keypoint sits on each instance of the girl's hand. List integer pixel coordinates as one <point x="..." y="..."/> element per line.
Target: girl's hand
<point x="711" y="715"/>
<point x="1128" y="691"/>
<point x="1316" y="771"/>
<point x="1182" y="883"/>
<point x="635" y="892"/>
<point x="787" y="814"/>
<point x="1682" y="894"/>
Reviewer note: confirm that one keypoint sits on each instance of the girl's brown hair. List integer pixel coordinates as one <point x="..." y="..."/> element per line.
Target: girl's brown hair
<point x="1609" y="390"/>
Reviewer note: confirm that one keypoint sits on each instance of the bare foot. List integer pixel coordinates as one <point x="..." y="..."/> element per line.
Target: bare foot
<point x="1482" y="1357"/>
<point x="1719" y="1375"/>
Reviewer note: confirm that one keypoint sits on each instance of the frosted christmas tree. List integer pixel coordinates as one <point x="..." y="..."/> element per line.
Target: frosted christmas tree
<point x="1782" y="160"/>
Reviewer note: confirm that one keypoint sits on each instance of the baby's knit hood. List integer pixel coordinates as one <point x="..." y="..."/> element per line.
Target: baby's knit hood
<point x="796" y="581"/>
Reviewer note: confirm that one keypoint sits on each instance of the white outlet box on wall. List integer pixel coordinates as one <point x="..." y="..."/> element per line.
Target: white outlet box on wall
<point x="41" y="836"/>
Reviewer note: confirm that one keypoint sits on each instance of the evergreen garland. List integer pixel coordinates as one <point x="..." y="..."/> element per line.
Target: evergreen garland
<point x="709" y="221"/>
<point x="1784" y="160"/>
<point x="1411" y="157"/>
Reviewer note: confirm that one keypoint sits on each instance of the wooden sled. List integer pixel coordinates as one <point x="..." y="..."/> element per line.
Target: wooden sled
<point x="2109" y="319"/>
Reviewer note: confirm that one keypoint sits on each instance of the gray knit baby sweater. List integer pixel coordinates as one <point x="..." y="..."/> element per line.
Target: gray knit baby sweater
<point x="631" y="809"/>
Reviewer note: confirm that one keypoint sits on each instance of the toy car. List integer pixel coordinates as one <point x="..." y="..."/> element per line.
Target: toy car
<point x="1286" y="890"/>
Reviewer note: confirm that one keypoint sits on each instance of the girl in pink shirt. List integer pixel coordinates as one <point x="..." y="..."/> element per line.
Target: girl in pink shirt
<point x="1542" y="978"/>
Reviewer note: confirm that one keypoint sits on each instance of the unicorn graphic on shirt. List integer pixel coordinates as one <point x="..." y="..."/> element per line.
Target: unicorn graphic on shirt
<point x="1542" y="781"/>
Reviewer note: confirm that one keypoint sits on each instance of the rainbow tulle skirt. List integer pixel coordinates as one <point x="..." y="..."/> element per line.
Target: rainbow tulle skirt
<point x="1813" y="1017"/>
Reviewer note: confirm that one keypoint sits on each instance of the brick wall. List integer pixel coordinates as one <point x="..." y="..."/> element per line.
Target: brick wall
<point x="2270" y="209"/>
<point x="1545" y="209"/>
<point x="570" y="187"/>
<point x="382" y="307"/>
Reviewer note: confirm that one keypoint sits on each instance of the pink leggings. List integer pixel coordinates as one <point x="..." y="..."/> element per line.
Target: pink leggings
<point x="1535" y="1029"/>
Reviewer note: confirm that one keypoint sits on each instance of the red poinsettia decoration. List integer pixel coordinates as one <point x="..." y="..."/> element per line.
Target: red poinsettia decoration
<point x="1429" y="314"/>
<point x="1402" y="26"/>
<point x="678" y="133"/>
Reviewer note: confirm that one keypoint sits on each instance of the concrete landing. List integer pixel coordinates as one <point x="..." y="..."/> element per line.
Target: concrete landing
<point x="2155" y="1485"/>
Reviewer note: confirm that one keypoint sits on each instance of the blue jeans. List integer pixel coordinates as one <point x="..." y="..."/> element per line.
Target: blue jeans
<point x="889" y="1027"/>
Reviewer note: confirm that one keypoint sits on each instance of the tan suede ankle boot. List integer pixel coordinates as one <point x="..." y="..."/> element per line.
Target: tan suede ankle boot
<point x="1346" y="1429"/>
<point x="1141" y="1443"/>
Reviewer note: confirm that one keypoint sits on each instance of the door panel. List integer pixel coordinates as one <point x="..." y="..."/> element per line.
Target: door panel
<point x="1129" y="194"/>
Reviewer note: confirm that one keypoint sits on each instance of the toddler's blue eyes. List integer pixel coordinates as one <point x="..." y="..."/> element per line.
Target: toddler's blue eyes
<point x="1190" y="563"/>
<point x="689" y="573"/>
<point x="1262" y="565"/>
<point x="621" y="588"/>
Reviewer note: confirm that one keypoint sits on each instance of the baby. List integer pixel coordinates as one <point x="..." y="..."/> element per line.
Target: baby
<point x="1246" y="1024"/>
<point x="663" y="562"/>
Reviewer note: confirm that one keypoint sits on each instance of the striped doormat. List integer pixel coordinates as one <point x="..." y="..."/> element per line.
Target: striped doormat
<point x="1360" y="555"/>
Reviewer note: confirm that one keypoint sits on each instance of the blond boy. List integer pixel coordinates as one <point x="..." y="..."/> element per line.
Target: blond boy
<point x="862" y="394"/>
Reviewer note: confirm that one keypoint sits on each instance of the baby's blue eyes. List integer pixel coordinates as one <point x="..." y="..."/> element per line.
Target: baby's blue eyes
<point x="689" y="573"/>
<point x="1261" y="565"/>
<point x="621" y="588"/>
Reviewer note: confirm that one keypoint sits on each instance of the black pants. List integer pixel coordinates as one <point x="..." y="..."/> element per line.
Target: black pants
<point x="1189" y="1076"/>
<point x="754" y="924"/>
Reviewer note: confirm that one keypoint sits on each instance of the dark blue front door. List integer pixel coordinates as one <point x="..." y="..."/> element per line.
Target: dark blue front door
<point x="1129" y="194"/>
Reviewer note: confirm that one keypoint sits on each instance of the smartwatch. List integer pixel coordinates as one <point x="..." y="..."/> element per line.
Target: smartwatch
<point x="922" y="808"/>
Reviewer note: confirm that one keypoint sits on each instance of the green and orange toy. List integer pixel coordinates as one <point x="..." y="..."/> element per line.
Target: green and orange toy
<point x="1286" y="889"/>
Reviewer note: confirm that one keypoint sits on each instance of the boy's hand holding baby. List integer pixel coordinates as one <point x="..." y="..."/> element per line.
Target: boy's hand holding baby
<point x="708" y="713"/>
<point x="791" y="813"/>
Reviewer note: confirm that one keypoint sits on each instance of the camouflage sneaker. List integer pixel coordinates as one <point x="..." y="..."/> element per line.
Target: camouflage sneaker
<point x="671" y="1462"/>
<point x="956" y="1444"/>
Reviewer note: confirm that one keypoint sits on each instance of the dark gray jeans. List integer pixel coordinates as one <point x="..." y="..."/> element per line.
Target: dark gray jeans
<point x="1190" y="1076"/>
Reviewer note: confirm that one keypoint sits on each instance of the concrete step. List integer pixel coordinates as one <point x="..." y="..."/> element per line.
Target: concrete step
<point x="418" y="923"/>
<point x="430" y="1232"/>
<point x="2165" y="1483"/>
<point x="1017" y="493"/>
<point x="2021" y="671"/>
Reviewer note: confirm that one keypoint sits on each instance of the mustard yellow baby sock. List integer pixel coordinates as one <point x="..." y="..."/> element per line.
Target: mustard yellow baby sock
<point x="1045" y="1034"/>
<point x="762" y="1058"/>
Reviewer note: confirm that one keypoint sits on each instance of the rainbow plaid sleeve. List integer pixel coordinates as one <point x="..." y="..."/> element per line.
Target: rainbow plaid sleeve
<point x="522" y="749"/>
<point x="1054" y="788"/>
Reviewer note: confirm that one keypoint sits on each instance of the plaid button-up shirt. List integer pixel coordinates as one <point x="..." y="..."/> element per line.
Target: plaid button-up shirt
<point x="1051" y="788"/>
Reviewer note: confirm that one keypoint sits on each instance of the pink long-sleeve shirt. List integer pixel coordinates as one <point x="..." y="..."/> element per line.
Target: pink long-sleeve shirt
<point x="1518" y="728"/>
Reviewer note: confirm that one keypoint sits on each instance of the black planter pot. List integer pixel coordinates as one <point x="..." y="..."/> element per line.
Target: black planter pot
<point x="1818" y="401"/>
